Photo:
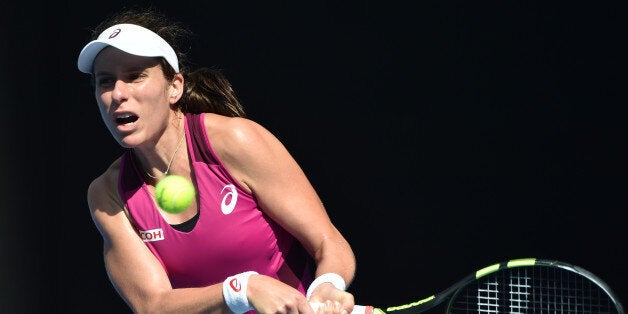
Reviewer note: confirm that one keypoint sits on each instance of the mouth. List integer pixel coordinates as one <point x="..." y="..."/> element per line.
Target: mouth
<point x="126" y="118"/>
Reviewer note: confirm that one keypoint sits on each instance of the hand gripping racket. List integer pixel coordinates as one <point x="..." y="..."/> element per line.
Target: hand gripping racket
<point x="518" y="286"/>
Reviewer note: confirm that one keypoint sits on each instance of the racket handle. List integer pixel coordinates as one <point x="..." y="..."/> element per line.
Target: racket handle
<point x="357" y="309"/>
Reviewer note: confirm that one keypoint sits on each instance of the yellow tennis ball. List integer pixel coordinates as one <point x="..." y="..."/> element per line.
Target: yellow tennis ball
<point x="174" y="193"/>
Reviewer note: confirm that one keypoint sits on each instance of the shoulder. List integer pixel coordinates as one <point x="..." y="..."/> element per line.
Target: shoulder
<point x="237" y="135"/>
<point x="247" y="149"/>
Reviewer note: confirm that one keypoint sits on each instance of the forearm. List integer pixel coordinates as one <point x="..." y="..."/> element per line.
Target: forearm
<point x="142" y="282"/>
<point x="185" y="300"/>
<point x="336" y="256"/>
<point x="334" y="272"/>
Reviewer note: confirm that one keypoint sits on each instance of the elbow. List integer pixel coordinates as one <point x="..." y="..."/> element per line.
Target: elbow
<point x="146" y="308"/>
<point x="148" y="305"/>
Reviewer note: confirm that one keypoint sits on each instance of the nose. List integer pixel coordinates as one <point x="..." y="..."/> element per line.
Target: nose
<point x="120" y="91"/>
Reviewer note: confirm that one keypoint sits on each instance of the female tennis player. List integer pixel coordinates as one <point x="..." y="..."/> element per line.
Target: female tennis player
<point x="256" y="237"/>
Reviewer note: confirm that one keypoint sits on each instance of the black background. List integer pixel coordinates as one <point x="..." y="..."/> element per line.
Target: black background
<point x="442" y="136"/>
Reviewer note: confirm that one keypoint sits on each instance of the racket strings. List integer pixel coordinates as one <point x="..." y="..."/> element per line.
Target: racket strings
<point x="488" y="298"/>
<point x="520" y="291"/>
<point x="532" y="290"/>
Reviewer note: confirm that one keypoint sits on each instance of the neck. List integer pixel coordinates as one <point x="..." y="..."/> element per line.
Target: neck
<point x="164" y="157"/>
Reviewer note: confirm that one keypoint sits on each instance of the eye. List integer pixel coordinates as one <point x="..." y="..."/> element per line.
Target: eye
<point x="104" y="81"/>
<point x="135" y="76"/>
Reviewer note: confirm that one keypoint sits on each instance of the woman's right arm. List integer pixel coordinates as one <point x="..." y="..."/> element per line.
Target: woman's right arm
<point x="133" y="270"/>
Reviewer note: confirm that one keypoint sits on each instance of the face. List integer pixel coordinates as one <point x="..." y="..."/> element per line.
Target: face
<point x="134" y="97"/>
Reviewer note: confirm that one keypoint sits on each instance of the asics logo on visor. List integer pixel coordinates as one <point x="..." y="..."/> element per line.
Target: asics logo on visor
<point x="115" y="33"/>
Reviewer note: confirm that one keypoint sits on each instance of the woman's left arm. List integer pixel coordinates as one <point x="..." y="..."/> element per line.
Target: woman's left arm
<point x="261" y="163"/>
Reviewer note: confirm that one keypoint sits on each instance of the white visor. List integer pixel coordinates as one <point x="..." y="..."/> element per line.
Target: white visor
<point x="130" y="38"/>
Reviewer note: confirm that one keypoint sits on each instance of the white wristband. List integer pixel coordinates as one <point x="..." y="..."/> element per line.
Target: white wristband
<point x="234" y="292"/>
<point x="332" y="278"/>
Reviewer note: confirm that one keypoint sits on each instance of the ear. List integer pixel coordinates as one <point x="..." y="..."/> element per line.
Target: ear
<point x="176" y="88"/>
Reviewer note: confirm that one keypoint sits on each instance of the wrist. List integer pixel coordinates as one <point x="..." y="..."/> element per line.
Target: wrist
<point x="333" y="278"/>
<point x="234" y="292"/>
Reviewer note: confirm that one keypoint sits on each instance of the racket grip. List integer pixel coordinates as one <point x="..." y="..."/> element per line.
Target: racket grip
<point x="362" y="309"/>
<point x="357" y="309"/>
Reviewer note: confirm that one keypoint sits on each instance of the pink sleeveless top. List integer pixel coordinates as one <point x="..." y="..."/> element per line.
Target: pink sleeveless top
<point x="232" y="234"/>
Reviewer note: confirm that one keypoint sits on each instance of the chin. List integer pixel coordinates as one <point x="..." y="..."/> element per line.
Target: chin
<point x="127" y="141"/>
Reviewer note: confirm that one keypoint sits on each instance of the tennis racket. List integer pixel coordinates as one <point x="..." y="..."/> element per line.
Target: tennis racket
<point x="518" y="286"/>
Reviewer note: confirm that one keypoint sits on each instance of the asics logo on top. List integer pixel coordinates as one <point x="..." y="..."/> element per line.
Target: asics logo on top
<point x="229" y="200"/>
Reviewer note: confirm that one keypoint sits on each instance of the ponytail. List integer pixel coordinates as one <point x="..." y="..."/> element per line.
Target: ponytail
<point x="208" y="90"/>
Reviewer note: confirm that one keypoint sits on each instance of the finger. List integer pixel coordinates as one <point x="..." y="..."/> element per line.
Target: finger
<point x="307" y="308"/>
<point x="321" y="307"/>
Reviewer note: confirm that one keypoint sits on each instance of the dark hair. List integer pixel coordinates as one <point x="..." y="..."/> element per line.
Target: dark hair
<point x="205" y="89"/>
